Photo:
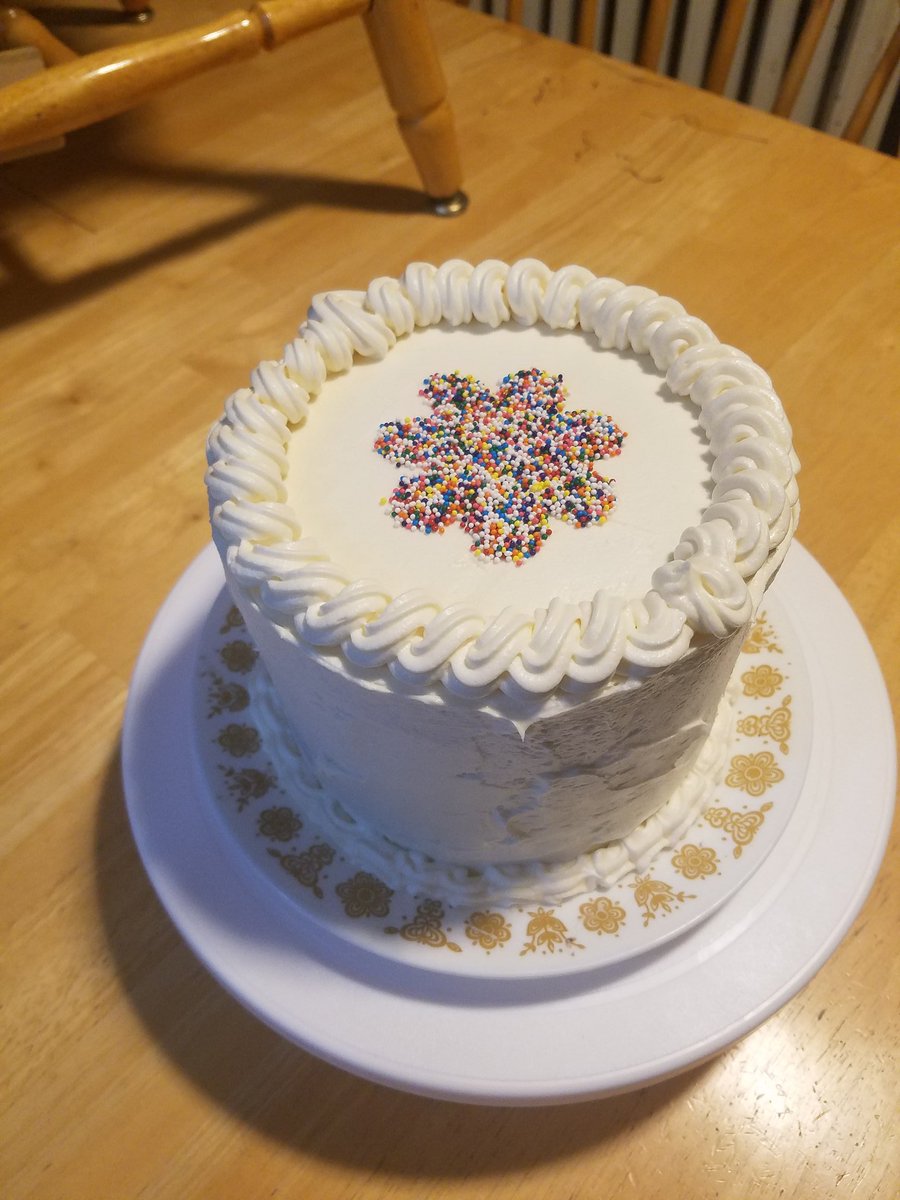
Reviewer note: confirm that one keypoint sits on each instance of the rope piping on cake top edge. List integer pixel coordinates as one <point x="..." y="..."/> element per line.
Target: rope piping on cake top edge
<point x="702" y="589"/>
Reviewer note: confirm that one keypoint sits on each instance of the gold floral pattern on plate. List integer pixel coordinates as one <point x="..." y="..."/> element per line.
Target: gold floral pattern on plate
<point x="239" y="656"/>
<point x="656" y="898"/>
<point x="754" y="773"/>
<point x="226" y="695"/>
<point x="695" y="862"/>
<point x="742" y="826"/>
<point x="762" y="638"/>
<point x="427" y="927"/>
<point x="307" y="866"/>
<point x="278" y="830"/>
<point x="602" y="915"/>
<point x="489" y="930"/>
<point x="279" y="824"/>
<point x="244" y="784"/>
<point x="365" y="895"/>
<point x="240" y="741"/>
<point x="547" y="933"/>
<point x="774" y="724"/>
<point x="232" y="620"/>
<point x="762" y="681"/>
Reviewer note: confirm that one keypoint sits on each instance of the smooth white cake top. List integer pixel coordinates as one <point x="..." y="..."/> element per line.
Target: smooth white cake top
<point x="705" y="493"/>
<point x="336" y="480"/>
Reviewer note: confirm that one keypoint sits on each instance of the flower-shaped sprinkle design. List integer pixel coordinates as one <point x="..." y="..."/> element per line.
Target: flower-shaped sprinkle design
<point x="365" y="896"/>
<point x="762" y="682"/>
<point x="695" y="862"/>
<point x="500" y="464"/>
<point x="279" y="824"/>
<point x="602" y="915"/>
<point x="754" y="773"/>
<point x="489" y="930"/>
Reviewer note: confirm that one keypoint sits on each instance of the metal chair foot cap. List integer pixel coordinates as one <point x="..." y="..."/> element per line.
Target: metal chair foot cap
<point x="449" y="206"/>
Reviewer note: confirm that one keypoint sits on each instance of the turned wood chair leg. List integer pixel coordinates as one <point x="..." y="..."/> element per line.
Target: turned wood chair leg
<point x="99" y="85"/>
<point x="78" y="92"/>
<point x="411" y="71"/>
<point x="20" y="28"/>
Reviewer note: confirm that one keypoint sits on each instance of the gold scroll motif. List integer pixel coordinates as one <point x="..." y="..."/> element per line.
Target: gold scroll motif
<point x="306" y="866"/>
<point x="742" y="826"/>
<point x="225" y="695"/>
<point x="426" y="927"/>
<point x="774" y="724"/>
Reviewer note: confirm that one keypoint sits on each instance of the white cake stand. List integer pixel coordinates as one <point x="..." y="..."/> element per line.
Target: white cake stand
<point x="532" y="1040"/>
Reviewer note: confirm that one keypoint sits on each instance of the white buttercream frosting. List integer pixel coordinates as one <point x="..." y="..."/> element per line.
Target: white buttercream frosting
<point x="500" y="883"/>
<point x="703" y="588"/>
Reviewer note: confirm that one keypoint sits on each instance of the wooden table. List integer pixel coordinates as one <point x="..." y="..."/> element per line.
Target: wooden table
<point x="148" y="267"/>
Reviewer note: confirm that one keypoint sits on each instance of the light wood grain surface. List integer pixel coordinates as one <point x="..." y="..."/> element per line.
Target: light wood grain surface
<point x="146" y="268"/>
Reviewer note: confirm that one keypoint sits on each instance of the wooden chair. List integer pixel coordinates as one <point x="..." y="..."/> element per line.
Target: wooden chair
<point x="658" y="16"/>
<point x="76" y="91"/>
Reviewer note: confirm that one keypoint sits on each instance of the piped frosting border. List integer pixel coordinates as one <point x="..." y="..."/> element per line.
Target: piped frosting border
<point x="709" y="586"/>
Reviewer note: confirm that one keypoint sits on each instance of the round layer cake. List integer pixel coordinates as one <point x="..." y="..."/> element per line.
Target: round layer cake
<point x="498" y="533"/>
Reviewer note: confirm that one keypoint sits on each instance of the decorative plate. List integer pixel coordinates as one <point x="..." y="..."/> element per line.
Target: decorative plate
<point x="279" y="835"/>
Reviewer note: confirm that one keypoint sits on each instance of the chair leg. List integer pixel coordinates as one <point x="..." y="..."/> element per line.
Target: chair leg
<point x="20" y="28"/>
<point x="110" y="81"/>
<point x="411" y="71"/>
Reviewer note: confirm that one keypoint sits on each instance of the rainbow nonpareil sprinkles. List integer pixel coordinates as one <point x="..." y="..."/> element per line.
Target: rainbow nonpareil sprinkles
<point x="501" y="464"/>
